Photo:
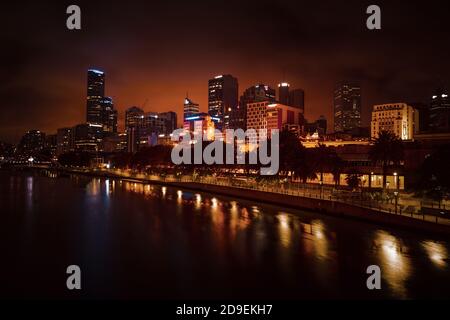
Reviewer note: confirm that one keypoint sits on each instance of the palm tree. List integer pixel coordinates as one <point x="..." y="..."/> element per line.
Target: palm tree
<point x="387" y="150"/>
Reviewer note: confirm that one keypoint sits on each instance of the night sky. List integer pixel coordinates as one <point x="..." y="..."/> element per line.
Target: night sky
<point x="161" y="50"/>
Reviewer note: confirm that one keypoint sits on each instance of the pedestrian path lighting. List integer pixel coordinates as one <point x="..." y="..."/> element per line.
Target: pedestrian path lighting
<point x="396" y="200"/>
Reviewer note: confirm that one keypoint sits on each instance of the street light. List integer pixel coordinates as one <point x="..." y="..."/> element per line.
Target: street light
<point x="321" y="189"/>
<point x="370" y="180"/>
<point x="395" y="180"/>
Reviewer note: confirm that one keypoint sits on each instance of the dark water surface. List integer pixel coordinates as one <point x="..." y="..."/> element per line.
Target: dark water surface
<point x="134" y="240"/>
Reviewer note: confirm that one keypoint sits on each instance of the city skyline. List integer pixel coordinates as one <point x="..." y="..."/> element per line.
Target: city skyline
<point x="232" y="151"/>
<point x="155" y="58"/>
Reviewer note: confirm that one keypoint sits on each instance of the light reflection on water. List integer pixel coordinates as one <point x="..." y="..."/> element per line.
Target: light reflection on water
<point x="239" y="234"/>
<point x="437" y="253"/>
<point x="395" y="262"/>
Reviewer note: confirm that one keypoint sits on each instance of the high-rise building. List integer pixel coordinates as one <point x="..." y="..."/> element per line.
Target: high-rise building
<point x="170" y="119"/>
<point x="283" y="93"/>
<point x="64" y="140"/>
<point x="322" y="124"/>
<point x="422" y="117"/>
<point x="397" y="118"/>
<point x="115" y="143"/>
<point x="109" y="115"/>
<point x="32" y="143"/>
<point x="152" y="123"/>
<point x="87" y="137"/>
<point x="134" y="119"/>
<point x="267" y="115"/>
<point x="142" y="128"/>
<point x="95" y="94"/>
<point x="258" y="93"/>
<point x="190" y="109"/>
<point x="440" y="112"/>
<point x="222" y="99"/>
<point x="51" y="144"/>
<point x="100" y="109"/>
<point x="347" y="107"/>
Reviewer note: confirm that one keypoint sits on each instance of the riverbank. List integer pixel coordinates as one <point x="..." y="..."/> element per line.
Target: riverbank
<point x="323" y="206"/>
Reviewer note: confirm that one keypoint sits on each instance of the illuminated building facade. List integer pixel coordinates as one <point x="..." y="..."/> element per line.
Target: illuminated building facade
<point x="99" y="109"/>
<point x="95" y="94"/>
<point x="115" y="143"/>
<point x="31" y="143"/>
<point x="109" y="116"/>
<point x="347" y="107"/>
<point x="190" y="109"/>
<point x="283" y="93"/>
<point x="258" y="93"/>
<point x="397" y="118"/>
<point x="222" y="99"/>
<point x="201" y="122"/>
<point x="88" y="137"/>
<point x="64" y="140"/>
<point x="439" y="114"/>
<point x="134" y="117"/>
<point x="266" y="115"/>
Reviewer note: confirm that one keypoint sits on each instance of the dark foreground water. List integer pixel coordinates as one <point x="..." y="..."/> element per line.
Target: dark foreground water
<point x="133" y="240"/>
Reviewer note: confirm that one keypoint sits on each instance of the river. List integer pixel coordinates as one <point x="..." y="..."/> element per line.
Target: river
<point x="143" y="241"/>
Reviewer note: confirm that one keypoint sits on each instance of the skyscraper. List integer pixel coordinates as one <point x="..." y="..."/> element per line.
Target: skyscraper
<point x="440" y="111"/>
<point x="109" y="115"/>
<point x="283" y="93"/>
<point x="190" y="109"/>
<point x="222" y="99"/>
<point x="134" y="119"/>
<point x="87" y="137"/>
<point x="347" y="107"/>
<point x="170" y="119"/>
<point x="100" y="109"/>
<point x="64" y="140"/>
<point x="95" y="94"/>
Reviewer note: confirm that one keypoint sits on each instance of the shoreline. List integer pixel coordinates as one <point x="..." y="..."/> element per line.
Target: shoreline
<point x="322" y="206"/>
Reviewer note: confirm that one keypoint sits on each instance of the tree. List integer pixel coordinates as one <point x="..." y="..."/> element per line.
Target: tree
<point x="353" y="180"/>
<point x="291" y="153"/>
<point x="387" y="151"/>
<point x="434" y="176"/>
<point x="337" y="165"/>
<point x="325" y="159"/>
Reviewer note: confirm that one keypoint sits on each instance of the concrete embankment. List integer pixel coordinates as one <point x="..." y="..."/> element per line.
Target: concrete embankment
<point x="327" y="207"/>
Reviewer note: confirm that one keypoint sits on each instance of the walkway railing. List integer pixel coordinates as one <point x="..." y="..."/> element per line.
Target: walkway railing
<point x="297" y="189"/>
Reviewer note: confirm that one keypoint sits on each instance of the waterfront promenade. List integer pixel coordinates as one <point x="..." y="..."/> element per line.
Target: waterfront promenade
<point x="324" y="199"/>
